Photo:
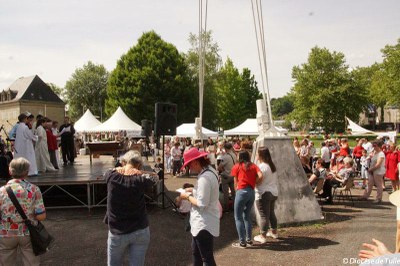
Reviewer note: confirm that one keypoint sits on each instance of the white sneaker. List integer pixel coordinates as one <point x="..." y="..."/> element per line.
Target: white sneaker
<point x="260" y="239"/>
<point x="270" y="234"/>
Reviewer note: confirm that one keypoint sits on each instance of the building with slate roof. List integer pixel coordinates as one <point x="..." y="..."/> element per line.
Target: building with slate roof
<point x="29" y="94"/>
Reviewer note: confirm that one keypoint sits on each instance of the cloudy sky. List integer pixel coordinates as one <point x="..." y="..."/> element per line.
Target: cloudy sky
<point x="52" y="38"/>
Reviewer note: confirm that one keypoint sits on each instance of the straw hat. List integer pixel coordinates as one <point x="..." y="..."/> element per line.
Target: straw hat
<point x="394" y="198"/>
<point x="191" y="155"/>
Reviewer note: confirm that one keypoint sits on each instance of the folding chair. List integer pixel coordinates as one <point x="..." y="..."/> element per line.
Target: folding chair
<point x="345" y="192"/>
<point x="318" y="188"/>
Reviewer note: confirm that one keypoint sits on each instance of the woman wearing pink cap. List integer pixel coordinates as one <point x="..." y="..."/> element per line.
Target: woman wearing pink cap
<point x="204" y="214"/>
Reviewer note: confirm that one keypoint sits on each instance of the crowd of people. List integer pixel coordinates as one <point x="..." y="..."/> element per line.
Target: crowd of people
<point x="224" y="166"/>
<point x="38" y="140"/>
<point x="371" y="162"/>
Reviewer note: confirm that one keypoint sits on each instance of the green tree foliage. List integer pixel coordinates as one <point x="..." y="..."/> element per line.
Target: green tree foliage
<point x="391" y="68"/>
<point x="86" y="89"/>
<point x="151" y="71"/>
<point x="237" y="95"/>
<point x="282" y="106"/>
<point x="374" y="81"/>
<point x="251" y="92"/>
<point x="57" y="90"/>
<point x="324" y="91"/>
<point x="213" y="63"/>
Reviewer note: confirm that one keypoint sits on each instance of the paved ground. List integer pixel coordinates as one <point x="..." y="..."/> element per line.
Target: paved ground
<point x="81" y="236"/>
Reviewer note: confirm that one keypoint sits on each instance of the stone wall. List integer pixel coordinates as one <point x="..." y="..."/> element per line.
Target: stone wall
<point x="50" y="110"/>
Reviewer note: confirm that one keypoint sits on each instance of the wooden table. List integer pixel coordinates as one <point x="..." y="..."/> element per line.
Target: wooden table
<point x="110" y="147"/>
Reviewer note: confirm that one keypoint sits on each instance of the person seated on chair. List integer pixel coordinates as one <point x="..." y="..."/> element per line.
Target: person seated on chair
<point x="318" y="173"/>
<point x="184" y="205"/>
<point x="341" y="177"/>
<point x="336" y="179"/>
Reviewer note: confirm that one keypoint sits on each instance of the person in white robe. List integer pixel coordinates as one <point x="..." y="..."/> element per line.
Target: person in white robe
<point x="54" y="129"/>
<point x="41" y="149"/>
<point x="23" y="146"/>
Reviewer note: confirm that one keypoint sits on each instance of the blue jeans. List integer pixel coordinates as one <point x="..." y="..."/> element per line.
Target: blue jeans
<point x="244" y="201"/>
<point x="136" y="242"/>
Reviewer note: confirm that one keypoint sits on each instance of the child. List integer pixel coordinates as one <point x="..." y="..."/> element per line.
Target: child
<point x="184" y="205"/>
<point x="158" y="168"/>
<point x="365" y="161"/>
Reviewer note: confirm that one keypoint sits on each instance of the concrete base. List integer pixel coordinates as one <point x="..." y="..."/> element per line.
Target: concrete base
<point x="296" y="201"/>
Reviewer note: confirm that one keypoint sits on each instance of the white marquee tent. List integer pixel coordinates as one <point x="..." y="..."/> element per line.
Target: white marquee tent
<point x="117" y="122"/>
<point x="358" y="130"/>
<point x="187" y="130"/>
<point x="249" y="128"/>
<point x="87" y="122"/>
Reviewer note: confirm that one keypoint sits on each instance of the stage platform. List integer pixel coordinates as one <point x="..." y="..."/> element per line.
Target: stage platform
<point x="78" y="185"/>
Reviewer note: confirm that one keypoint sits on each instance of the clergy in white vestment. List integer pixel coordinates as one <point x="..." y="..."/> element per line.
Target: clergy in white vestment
<point x="42" y="150"/>
<point x="23" y="146"/>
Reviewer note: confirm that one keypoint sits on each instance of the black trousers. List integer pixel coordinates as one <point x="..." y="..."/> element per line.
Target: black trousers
<point x="68" y="150"/>
<point x="176" y="166"/>
<point x="202" y="249"/>
<point x="266" y="208"/>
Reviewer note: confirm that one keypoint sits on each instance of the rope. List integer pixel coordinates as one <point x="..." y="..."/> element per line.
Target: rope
<point x="202" y="53"/>
<point x="263" y="57"/>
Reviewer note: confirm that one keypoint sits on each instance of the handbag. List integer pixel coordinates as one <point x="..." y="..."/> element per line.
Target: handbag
<point x="41" y="240"/>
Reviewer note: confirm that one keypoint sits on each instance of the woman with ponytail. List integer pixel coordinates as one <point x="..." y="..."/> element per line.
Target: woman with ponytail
<point x="246" y="175"/>
<point x="266" y="195"/>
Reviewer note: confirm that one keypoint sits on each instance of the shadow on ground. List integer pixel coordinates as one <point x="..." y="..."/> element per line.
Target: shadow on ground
<point x="292" y="243"/>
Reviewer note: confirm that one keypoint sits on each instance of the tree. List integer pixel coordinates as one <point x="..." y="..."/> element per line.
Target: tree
<point x="374" y="81"/>
<point x="282" y="106"/>
<point x="251" y="92"/>
<point x="213" y="63"/>
<point x="151" y="71"/>
<point x="324" y="91"/>
<point x="237" y="95"/>
<point x="86" y="89"/>
<point x="391" y="68"/>
<point x="57" y="90"/>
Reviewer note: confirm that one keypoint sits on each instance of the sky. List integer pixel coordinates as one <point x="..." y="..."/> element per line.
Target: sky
<point x="51" y="38"/>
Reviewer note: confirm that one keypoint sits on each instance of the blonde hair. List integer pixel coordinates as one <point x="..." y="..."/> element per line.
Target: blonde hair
<point x="133" y="158"/>
<point x="348" y="160"/>
<point x="19" y="168"/>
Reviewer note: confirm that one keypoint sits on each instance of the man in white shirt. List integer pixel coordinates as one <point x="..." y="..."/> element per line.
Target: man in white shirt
<point x="325" y="155"/>
<point x="367" y="146"/>
<point x="176" y="154"/>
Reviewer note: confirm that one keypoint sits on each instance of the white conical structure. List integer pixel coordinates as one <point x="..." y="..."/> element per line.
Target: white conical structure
<point x="87" y="122"/>
<point x="117" y="122"/>
<point x="296" y="201"/>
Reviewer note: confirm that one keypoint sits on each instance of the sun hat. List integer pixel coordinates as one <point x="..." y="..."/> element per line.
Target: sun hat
<point x="191" y="155"/>
<point x="394" y="198"/>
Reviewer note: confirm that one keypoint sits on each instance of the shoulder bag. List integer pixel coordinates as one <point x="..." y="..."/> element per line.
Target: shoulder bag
<point x="41" y="240"/>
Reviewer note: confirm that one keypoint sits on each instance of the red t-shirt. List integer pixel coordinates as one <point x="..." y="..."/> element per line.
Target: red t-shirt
<point x="246" y="177"/>
<point x="357" y="152"/>
<point x="51" y="140"/>
<point x="344" y="151"/>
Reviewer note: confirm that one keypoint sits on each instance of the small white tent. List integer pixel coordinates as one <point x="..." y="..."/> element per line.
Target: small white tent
<point x="87" y="122"/>
<point x="356" y="129"/>
<point x="118" y="121"/>
<point x="249" y="128"/>
<point x="187" y="130"/>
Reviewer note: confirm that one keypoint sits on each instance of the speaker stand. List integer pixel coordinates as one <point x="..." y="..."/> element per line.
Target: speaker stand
<point x="162" y="194"/>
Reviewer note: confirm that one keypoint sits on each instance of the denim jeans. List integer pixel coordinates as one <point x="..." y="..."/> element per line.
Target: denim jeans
<point x="202" y="249"/>
<point x="244" y="201"/>
<point x="136" y="242"/>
